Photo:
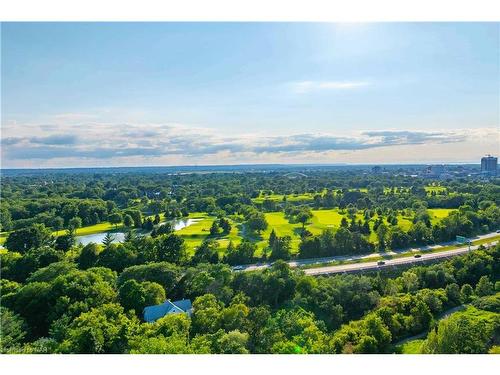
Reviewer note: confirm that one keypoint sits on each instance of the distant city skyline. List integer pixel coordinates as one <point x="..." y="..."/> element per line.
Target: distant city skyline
<point x="137" y="94"/>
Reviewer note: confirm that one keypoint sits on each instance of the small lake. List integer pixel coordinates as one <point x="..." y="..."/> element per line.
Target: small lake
<point x="178" y="224"/>
<point x="98" y="237"/>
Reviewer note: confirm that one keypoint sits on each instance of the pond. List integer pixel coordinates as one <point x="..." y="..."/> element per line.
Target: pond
<point x="177" y="224"/>
<point x="98" y="237"/>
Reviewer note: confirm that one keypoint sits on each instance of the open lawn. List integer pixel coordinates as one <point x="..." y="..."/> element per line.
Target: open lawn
<point x="105" y="226"/>
<point x="306" y="197"/>
<point x="412" y="347"/>
<point x="3" y="237"/>
<point x="437" y="214"/>
<point x="434" y="188"/>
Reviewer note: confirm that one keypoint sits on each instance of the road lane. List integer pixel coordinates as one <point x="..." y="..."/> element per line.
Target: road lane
<point x="356" y="267"/>
<point x="371" y="266"/>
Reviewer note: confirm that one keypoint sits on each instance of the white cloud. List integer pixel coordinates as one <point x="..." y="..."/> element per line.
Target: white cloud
<point x="138" y="144"/>
<point x="304" y="87"/>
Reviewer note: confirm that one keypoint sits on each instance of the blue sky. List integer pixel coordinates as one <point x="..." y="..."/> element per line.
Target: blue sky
<point x="100" y="94"/>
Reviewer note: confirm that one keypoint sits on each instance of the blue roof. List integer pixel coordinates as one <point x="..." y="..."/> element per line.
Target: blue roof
<point x="153" y="313"/>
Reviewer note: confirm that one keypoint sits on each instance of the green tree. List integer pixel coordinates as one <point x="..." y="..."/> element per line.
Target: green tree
<point x="257" y="222"/>
<point x="207" y="252"/>
<point x="484" y="287"/>
<point x="33" y="302"/>
<point x="382" y="235"/>
<point x="57" y="223"/>
<point x="117" y="257"/>
<point x="207" y="311"/>
<point x="460" y="333"/>
<point x="115" y="218"/>
<point x="241" y="254"/>
<point x="304" y="216"/>
<point x="13" y="330"/>
<point x="104" y="329"/>
<point x="65" y="241"/>
<point x="272" y="238"/>
<point x="88" y="256"/>
<point x="154" y="294"/>
<point x="108" y="240"/>
<point x="74" y="223"/>
<point x="171" y="248"/>
<point x="453" y="294"/>
<point x="28" y="238"/>
<point x="132" y="296"/>
<point x="128" y="221"/>
<point x="214" y="229"/>
<point x="282" y="248"/>
<point x="234" y="342"/>
<point x="225" y="225"/>
<point x="466" y="292"/>
<point x="163" y="273"/>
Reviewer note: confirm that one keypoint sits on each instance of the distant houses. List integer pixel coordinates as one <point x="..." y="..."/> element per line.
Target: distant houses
<point x="153" y="313"/>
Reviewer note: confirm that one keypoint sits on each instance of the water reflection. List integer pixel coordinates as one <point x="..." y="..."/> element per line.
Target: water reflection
<point x="177" y="224"/>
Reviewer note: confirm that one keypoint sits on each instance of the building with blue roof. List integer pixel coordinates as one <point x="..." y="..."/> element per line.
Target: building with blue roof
<point x="153" y="313"/>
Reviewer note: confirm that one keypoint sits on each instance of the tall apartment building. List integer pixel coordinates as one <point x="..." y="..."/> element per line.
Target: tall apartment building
<point x="489" y="165"/>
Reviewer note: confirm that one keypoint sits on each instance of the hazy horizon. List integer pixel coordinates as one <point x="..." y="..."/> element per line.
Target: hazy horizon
<point x="478" y="164"/>
<point x="182" y="94"/>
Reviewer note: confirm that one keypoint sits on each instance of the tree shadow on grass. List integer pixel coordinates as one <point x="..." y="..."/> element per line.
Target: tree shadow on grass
<point x="244" y="233"/>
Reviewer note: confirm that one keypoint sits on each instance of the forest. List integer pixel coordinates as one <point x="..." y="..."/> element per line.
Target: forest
<point x="60" y="294"/>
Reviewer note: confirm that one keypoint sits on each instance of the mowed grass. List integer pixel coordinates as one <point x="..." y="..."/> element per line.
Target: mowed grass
<point x="305" y="197"/>
<point x="3" y="237"/>
<point x="91" y="229"/>
<point x="434" y="188"/>
<point x="105" y="226"/>
<point x="194" y="234"/>
<point x="437" y="214"/>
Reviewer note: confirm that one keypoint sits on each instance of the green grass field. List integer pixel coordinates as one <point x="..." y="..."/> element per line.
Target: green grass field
<point x="306" y="197"/>
<point x="3" y="237"/>
<point x="197" y="232"/>
<point x="434" y="188"/>
<point x="322" y="219"/>
<point x="412" y="347"/>
<point x="437" y="214"/>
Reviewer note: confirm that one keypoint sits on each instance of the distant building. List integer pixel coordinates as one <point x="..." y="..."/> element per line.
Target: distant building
<point x="435" y="171"/>
<point x="153" y="313"/>
<point x="489" y="165"/>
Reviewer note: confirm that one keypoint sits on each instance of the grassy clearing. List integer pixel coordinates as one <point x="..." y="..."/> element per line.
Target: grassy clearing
<point x="91" y="229"/>
<point x="412" y="347"/>
<point x="105" y="226"/>
<point x="323" y="219"/>
<point x="434" y="188"/>
<point x="305" y="197"/>
<point x="194" y="234"/>
<point x="3" y="237"/>
<point x="437" y="214"/>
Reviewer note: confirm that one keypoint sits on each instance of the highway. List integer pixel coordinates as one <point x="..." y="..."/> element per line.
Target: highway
<point x="370" y="266"/>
